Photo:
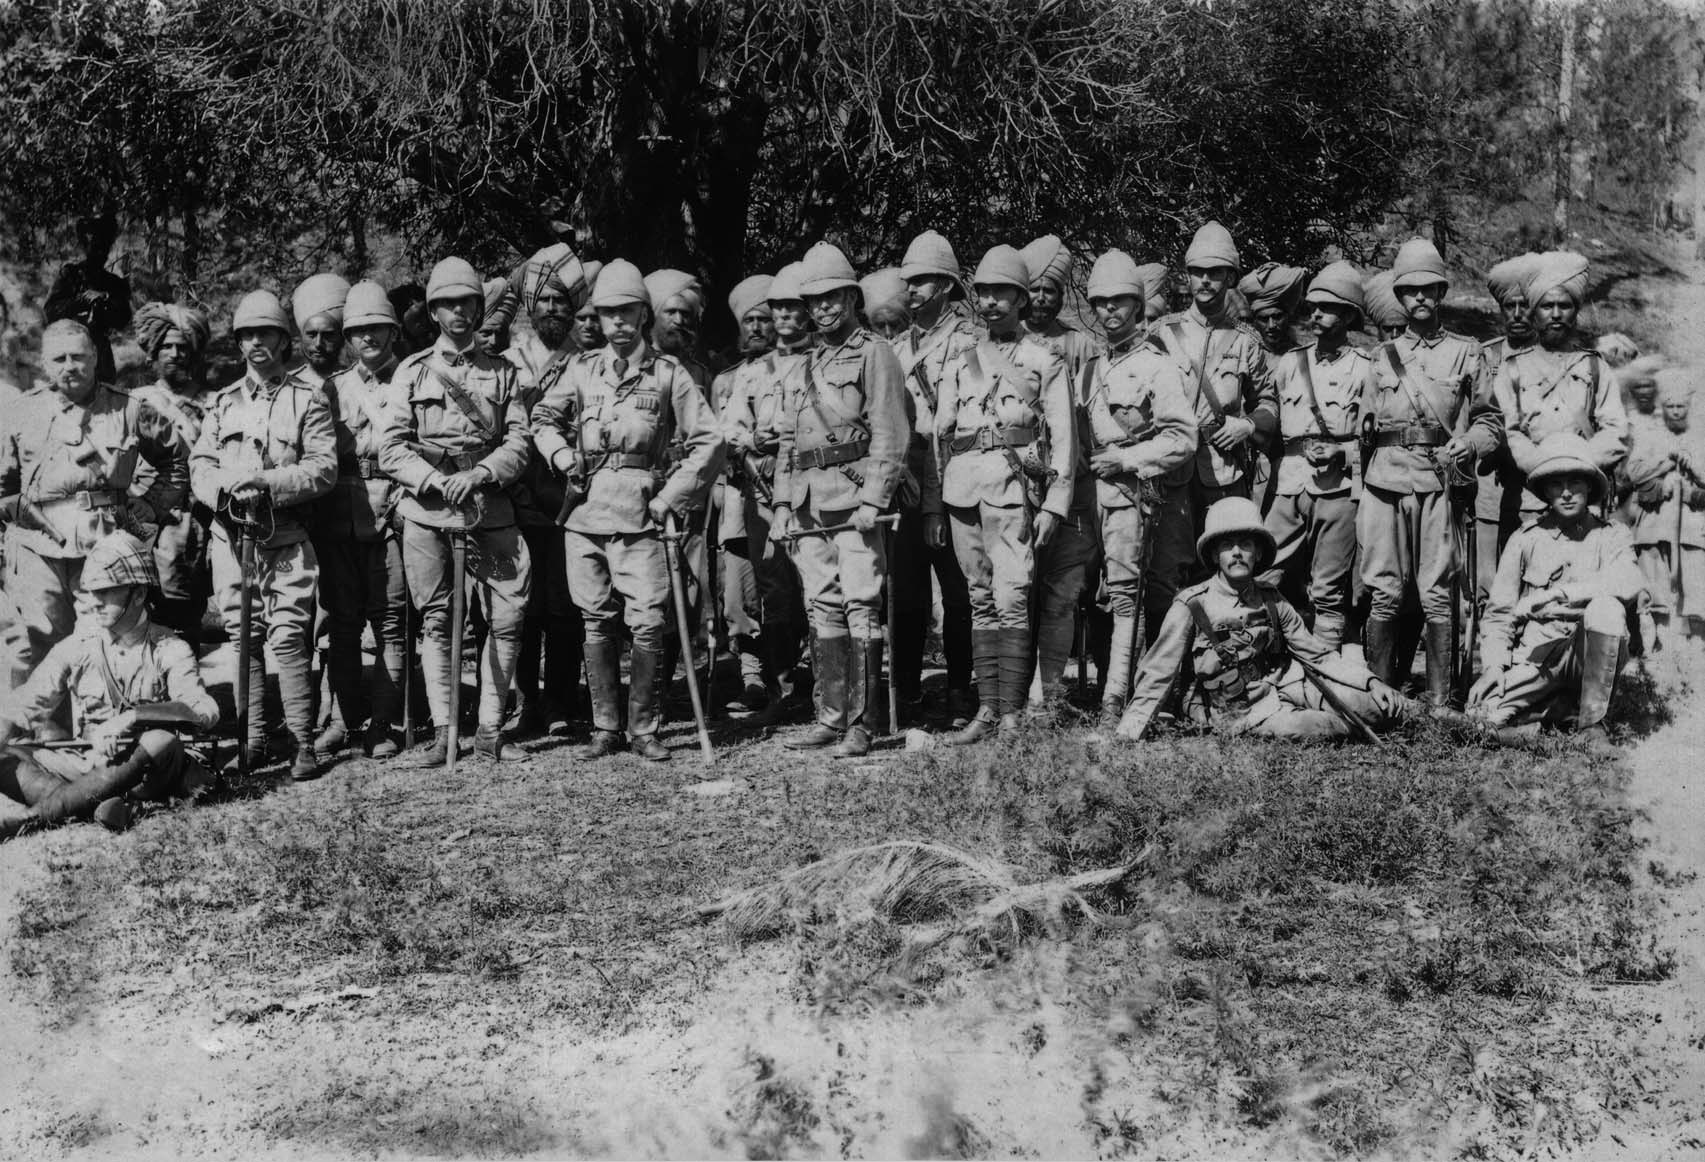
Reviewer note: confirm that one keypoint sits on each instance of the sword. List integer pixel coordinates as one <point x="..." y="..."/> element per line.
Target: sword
<point x="672" y="537"/>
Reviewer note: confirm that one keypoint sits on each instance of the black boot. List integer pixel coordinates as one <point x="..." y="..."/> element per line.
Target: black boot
<point x="1015" y="663"/>
<point x="1436" y="635"/>
<point x="865" y="708"/>
<point x="831" y="659"/>
<point x="1601" y="657"/>
<point x="986" y="655"/>
<point x="1378" y="645"/>
<point x="604" y="680"/>
<point x="645" y="709"/>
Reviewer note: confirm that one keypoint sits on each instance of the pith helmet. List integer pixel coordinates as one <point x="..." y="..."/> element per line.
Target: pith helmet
<point x="619" y="285"/>
<point x="1002" y="266"/>
<point x="1234" y="517"/>
<point x="826" y="270"/>
<point x="1212" y="246"/>
<point x="119" y="559"/>
<point x="1418" y="263"/>
<point x="260" y="309"/>
<point x="1339" y="283"/>
<point x="1565" y="454"/>
<point x="454" y="278"/>
<point x="785" y="287"/>
<point x="928" y="254"/>
<point x="1115" y="273"/>
<point x="368" y="306"/>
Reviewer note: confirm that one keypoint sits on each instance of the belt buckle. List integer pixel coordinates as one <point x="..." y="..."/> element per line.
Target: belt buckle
<point x="84" y="499"/>
<point x="985" y="439"/>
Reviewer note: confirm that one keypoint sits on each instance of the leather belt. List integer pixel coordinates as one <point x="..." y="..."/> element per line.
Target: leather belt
<point x="985" y="439"/>
<point x="622" y="460"/>
<point x="85" y="500"/>
<point x="364" y="467"/>
<point x="1411" y="436"/>
<point x="828" y="455"/>
<point x="1301" y="443"/>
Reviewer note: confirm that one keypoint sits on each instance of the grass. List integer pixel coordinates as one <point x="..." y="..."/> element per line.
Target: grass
<point x="1364" y="949"/>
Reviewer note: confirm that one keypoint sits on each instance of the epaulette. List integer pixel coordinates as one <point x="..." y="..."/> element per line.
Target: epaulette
<point x="1246" y="329"/>
<point x="1189" y="592"/>
<point x="858" y="338"/>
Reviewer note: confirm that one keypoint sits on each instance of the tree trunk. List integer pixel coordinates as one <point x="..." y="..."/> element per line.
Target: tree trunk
<point x="1565" y="147"/>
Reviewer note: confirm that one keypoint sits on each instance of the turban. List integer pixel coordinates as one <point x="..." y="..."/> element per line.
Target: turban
<point x="884" y="288"/>
<point x="1212" y="246"/>
<point x="319" y="294"/>
<point x="1675" y="385"/>
<point x="1271" y="285"/>
<point x="1382" y="307"/>
<point x="1154" y="276"/>
<point x="499" y="303"/>
<point x="1508" y="279"/>
<point x="663" y="285"/>
<point x="1418" y="263"/>
<point x="1048" y="260"/>
<point x="748" y="293"/>
<point x="153" y="320"/>
<point x="554" y="266"/>
<point x="1617" y="349"/>
<point x="1562" y="270"/>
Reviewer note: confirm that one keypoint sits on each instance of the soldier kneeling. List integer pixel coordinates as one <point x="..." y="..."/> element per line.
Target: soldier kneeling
<point x="130" y="682"/>
<point x="1253" y="661"/>
<point x="1555" y="632"/>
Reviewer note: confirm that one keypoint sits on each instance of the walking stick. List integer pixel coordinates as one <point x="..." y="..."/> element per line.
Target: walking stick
<point x="888" y="627"/>
<point x="245" y="626"/>
<point x="890" y="521"/>
<point x="1677" y="590"/>
<point x="718" y="624"/>
<point x="1324" y="685"/>
<point x="1465" y="675"/>
<point x="673" y="563"/>
<point x="458" y="627"/>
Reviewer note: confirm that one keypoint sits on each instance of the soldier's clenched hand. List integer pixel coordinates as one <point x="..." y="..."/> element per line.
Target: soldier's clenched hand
<point x="1046" y="524"/>
<point x="864" y="518"/>
<point x="458" y="489"/>
<point x="935" y="531"/>
<point x="782" y="523"/>
<point x="1232" y="433"/>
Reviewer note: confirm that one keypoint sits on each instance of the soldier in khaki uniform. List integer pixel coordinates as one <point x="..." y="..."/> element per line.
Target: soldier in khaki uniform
<point x="1385" y="316"/>
<point x="1237" y="409"/>
<point x="1557" y="384"/>
<point x="1273" y="293"/>
<point x="360" y="551"/>
<point x="1556" y="629"/>
<point x="843" y="438"/>
<point x="1507" y="284"/>
<point x="1313" y="512"/>
<point x="552" y="287"/>
<point x="267" y="451"/>
<point x="127" y="681"/>
<point x="317" y="305"/>
<point x="748" y="302"/>
<point x="455" y="437"/>
<point x="1140" y="432"/>
<point x="1009" y="432"/>
<point x="1253" y="664"/>
<point x="1666" y="465"/>
<point x="174" y="338"/>
<point x="1431" y="415"/>
<point x="942" y="329"/>
<point x="69" y="461"/>
<point x="751" y="419"/>
<point x="1063" y="567"/>
<point x="606" y="425"/>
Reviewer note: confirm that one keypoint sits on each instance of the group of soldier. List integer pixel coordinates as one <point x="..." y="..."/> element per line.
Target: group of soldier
<point x="1208" y="509"/>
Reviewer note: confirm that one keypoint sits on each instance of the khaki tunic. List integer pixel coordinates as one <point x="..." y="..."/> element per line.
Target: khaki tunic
<point x="1234" y="374"/>
<point x="282" y="429"/>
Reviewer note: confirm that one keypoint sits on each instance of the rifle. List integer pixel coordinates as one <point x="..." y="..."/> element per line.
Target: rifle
<point x="888" y="624"/>
<point x="890" y="520"/>
<point x="1339" y="706"/>
<point x="718" y="618"/>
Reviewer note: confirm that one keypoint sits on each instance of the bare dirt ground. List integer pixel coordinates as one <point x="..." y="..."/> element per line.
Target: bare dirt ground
<point x="717" y="1050"/>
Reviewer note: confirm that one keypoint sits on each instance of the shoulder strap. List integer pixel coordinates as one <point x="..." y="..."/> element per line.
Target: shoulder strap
<point x="1417" y="400"/>
<point x="924" y="387"/>
<point x="1592" y="392"/>
<point x="1201" y="367"/>
<point x="1204" y="624"/>
<point x="1272" y="605"/>
<point x="1308" y="395"/>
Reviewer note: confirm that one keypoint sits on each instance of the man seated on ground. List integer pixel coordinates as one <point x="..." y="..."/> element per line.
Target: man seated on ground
<point x="130" y="682"/>
<point x="1252" y="663"/>
<point x="1555" y="632"/>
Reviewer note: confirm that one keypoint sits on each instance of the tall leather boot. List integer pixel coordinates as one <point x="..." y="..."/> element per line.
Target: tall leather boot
<point x="832" y="661"/>
<point x="258" y="755"/>
<point x="604" y="683"/>
<point x="1116" y="689"/>
<point x="958" y="649"/>
<point x="645" y="704"/>
<point x="986" y="656"/>
<point x="1440" y="665"/>
<point x="344" y="676"/>
<point x="1601" y="657"/>
<point x="867" y="709"/>
<point x="1379" y="644"/>
<point x="83" y="797"/>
